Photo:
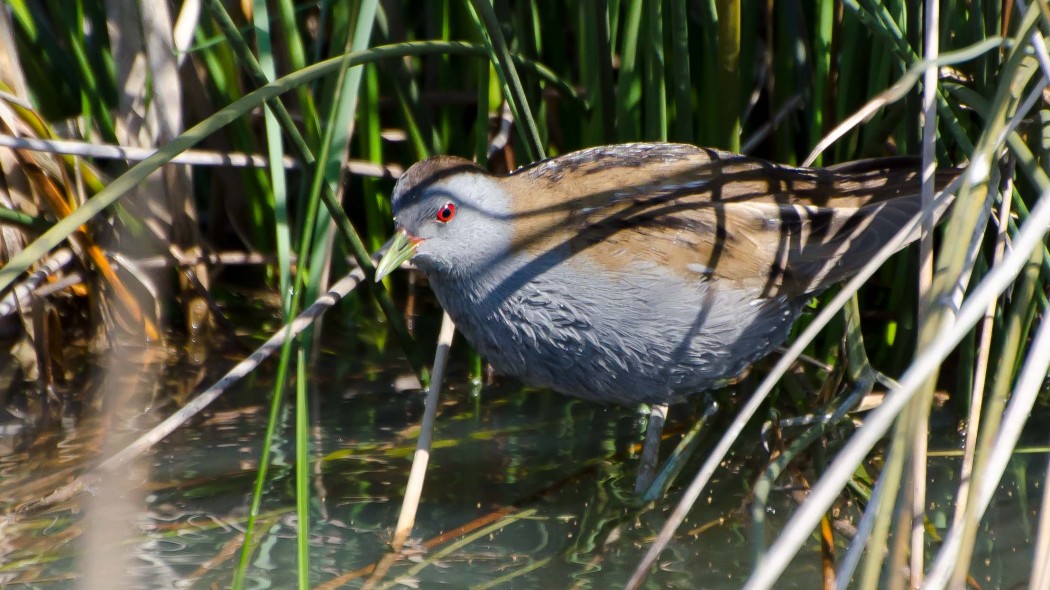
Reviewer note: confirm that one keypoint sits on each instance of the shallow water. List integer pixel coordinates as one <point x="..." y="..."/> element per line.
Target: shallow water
<point x="545" y="480"/>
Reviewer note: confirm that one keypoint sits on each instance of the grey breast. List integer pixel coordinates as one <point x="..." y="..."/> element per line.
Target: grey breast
<point x="641" y="336"/>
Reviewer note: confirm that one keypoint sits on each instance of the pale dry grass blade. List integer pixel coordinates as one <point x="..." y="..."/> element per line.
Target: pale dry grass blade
<point x="106" y="151"/>
<point x="1041" y="559"/>
<point x="185" y="25"/>
<point x="921" y="435"/>
<point x="406" y="520"/>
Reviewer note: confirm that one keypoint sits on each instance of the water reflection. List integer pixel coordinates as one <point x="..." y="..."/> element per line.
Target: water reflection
<point x="542" y="482"/>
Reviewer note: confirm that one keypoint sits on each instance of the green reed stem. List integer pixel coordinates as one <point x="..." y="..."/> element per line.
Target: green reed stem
<point x="512" y="84"/>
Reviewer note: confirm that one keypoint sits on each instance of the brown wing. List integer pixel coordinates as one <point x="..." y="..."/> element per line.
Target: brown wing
<point x="776" y="229"/>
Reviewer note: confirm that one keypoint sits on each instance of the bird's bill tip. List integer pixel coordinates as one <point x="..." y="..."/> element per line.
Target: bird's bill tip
<point x="401" y="249"/>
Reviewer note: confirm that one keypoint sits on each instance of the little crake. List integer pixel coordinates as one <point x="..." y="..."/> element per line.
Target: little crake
<point x="640" y="272"/>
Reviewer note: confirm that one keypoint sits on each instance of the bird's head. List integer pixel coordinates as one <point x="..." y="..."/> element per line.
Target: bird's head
<point x="451" y="217"/>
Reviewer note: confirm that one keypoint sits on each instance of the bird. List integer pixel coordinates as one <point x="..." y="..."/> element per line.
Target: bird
<point x="641" y="272"/>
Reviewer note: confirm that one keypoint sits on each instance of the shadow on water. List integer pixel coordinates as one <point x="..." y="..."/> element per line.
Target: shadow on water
<point x="559" y="470"/>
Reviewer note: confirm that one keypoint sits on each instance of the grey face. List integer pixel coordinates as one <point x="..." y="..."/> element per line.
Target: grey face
<point x="458" y="223"/>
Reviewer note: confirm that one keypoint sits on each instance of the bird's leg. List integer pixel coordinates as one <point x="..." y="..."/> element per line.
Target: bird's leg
<point x="681" y="454"/>
<point x="651" y="448"/>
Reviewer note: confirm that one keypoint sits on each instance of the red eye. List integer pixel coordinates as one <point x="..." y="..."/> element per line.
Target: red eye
<point x="446" y="213"/>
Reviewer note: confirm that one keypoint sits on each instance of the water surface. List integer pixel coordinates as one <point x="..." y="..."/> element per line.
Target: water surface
<point x="526" y="489"/>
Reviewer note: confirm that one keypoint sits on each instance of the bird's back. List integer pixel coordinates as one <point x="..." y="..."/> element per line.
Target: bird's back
<point x="782" y="229"/>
